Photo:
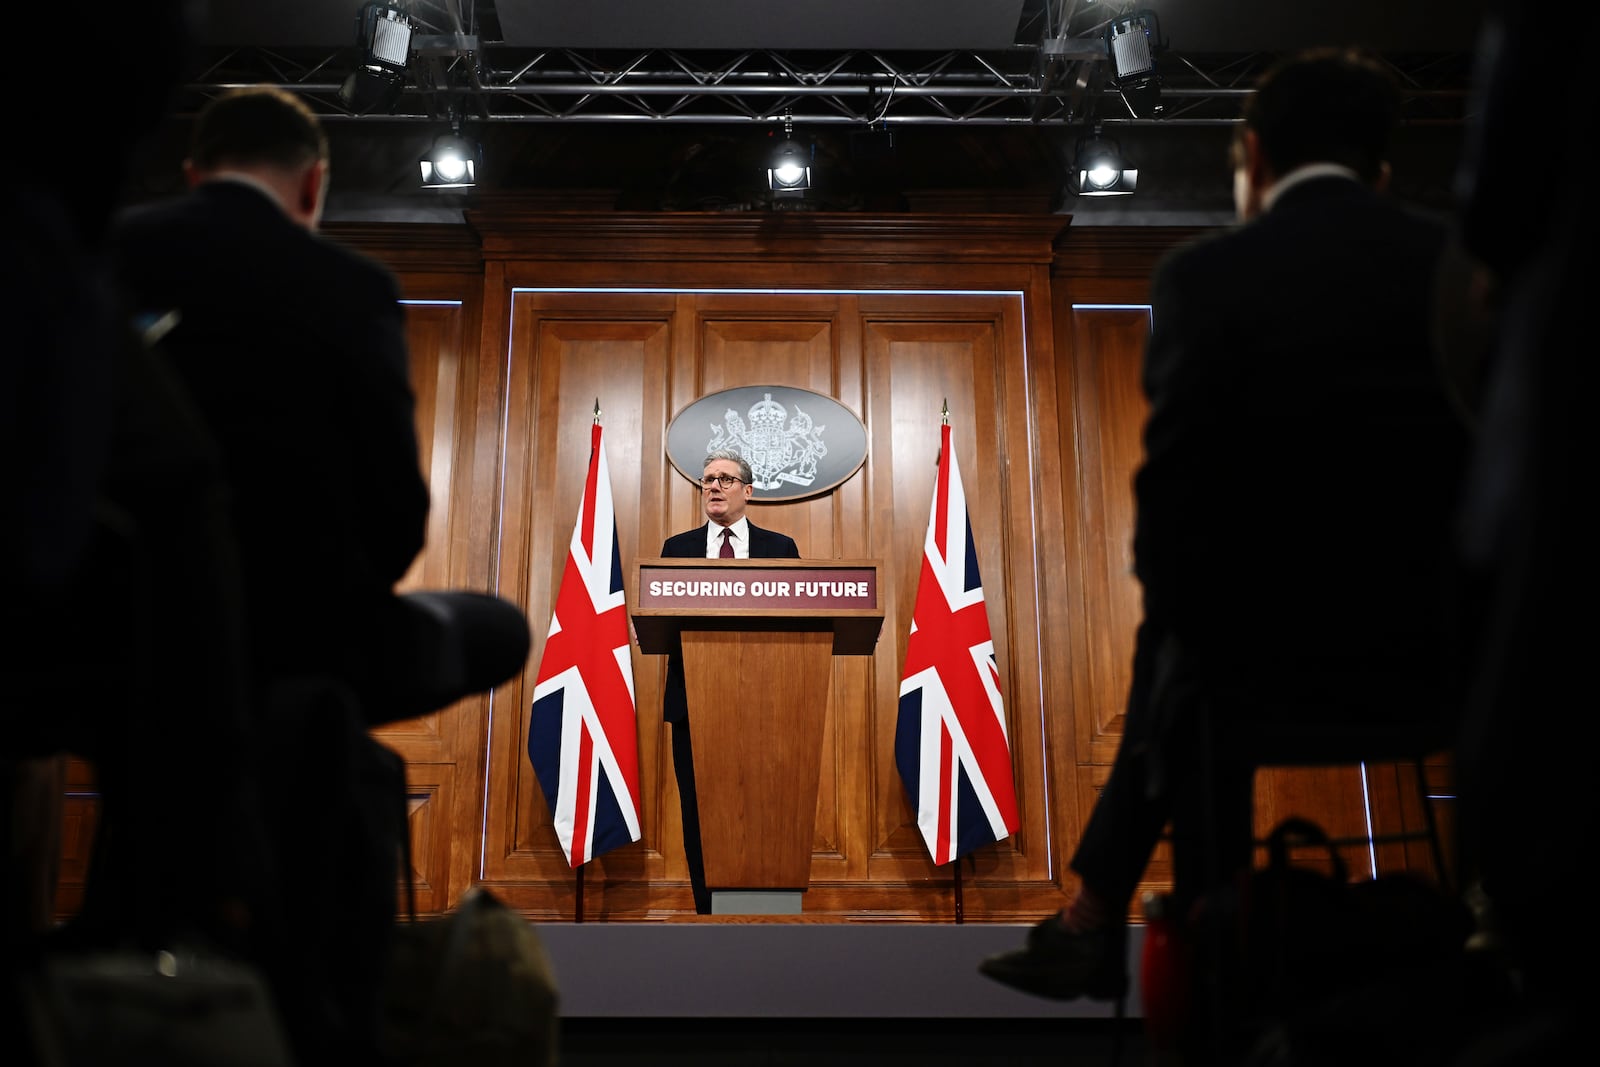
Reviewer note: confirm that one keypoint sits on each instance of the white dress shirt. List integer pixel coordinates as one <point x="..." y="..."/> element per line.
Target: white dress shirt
<point x="1305" y="173"/>
<point x="741" y="539"/>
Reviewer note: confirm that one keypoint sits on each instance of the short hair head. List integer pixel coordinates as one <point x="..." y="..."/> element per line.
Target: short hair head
<point x="1325" y="105"/>
<point x="745" y="474"/>
<point x="257" y="125"/>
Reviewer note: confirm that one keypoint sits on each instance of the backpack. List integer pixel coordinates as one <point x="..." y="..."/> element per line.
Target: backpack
<point x="474" y="986"/>
<point x="1291" y="946"/>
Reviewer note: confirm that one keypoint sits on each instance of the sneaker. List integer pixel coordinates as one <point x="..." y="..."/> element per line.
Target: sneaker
<point x="1063" y="965"/>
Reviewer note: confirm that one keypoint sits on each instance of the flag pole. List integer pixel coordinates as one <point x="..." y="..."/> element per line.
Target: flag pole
<point x="955" y="868"/>
<point x="577" y="906"/>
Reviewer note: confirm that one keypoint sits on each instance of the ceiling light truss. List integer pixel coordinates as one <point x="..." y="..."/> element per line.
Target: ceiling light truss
<point x="1057" y="83"/>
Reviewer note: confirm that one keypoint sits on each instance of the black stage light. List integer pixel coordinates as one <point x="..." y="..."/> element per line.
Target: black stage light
<point x="452" y="163"/>
<point x="789" y="170"/>
<point x="1132" y="43"/>
<point x="1102" y="169"/>
<point x="384" y="35"/>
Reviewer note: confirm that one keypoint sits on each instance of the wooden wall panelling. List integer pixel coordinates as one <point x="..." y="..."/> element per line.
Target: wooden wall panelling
<point x="443" y="312"/>
<point x="843" y="848"/>
<point x="790" y="340"/>
<point x="1046" y="426"/>
<point x="1441" y="789"/>
<point x="435" y="332"/>
<point x="766" y="331"/>
<point x="1101" y="322"/>
<point x="1097" y="424"/>
<point x="80" y="812"/>
<point x="1056" y="608"/>
<point x="970" y="350"/>
<point x="820" y="340"/>
<point x="780" y="340"/>
<point x="1100" y="281"/>
<point x="970" y="353"/>
<point x="568" y="350"/>
<point x="1109" y="409"/>
<point x="1351" y="800"/>
<point x="431" y="813"/>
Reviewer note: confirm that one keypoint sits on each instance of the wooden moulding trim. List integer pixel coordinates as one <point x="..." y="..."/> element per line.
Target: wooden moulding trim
<point x="511" y="233"/>
<point x="420" y="246"/>
<point x="1116" y="251"/>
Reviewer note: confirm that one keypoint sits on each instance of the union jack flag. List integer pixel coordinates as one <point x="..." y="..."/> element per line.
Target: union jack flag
<point x="582" y="737"/>
<point x="950" y="740"/>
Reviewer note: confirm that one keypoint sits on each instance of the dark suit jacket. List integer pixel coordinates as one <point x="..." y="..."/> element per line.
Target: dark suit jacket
<point x="1302" y="462"/>
<point x="294" y="349"/>
<point x="691" y="544"/>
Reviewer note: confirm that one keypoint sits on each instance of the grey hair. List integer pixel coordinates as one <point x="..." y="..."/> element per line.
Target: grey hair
<point x="746" y="475"/>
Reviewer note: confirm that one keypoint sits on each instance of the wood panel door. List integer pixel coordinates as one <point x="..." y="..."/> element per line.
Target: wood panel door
<point x="458" y="427"/>
<point x="896" y="360"/>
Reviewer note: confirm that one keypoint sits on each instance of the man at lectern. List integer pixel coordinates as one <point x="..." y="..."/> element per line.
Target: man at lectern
<point x="725" y="490"/>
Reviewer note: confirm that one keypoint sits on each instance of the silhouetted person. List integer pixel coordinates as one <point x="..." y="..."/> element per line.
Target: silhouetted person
<point x="1295" y="502"/>
<point x="294" y="347"/>
<point x="294" y="350"/>
<point x="725" y="490"/>
<point x="1523" y="764"/>
<point x="122" y="600"/>
<point x="122" y="605"/>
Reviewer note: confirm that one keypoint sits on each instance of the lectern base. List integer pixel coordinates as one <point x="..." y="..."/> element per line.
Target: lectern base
<point x="755" y="902"/>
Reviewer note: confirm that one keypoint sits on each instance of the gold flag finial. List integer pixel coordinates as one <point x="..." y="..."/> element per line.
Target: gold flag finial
<point x="597" y="411"/>
<point x="944" y="416"/>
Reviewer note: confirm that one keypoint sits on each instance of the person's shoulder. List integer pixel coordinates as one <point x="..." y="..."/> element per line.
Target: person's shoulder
<point x="355" y="267"/>
<point x="777" y="543"/>
<point x="147" y="215"/>
<point x="1405" y="230"/>
<point x="1202" y="256"/>
<point x="694" y="538"/>
<point x="144" y="239"/>
<point x="219" y="212"/>
<point x="140" y="213"/>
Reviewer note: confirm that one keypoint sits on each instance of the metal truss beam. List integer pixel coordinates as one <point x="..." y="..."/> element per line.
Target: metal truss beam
<point x="1061" y="82"/>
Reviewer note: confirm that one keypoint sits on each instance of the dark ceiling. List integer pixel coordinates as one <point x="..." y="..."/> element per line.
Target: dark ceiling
<point x="910" y="104"/>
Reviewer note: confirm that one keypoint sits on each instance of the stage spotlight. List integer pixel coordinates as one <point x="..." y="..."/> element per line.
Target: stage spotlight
<point x="1102" y="170"/>
<point x="452" y="163"/>
<point x="789" y="165"/>
<point x="790" y="171"/>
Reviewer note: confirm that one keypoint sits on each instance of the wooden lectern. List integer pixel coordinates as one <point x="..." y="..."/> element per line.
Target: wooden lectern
<point x="757" y="638"/>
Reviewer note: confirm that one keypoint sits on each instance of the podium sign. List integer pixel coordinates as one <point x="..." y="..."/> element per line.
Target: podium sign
<point x="757" y="637"/>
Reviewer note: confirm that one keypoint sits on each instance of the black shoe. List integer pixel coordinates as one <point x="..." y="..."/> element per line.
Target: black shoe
<point x="1063" y="965"/>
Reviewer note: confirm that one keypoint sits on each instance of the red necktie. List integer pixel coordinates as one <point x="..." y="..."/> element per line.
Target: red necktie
<point x="727" y="544"/>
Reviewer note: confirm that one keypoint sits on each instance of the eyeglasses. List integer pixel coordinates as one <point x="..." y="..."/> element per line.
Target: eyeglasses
<point x="727" y="481"/>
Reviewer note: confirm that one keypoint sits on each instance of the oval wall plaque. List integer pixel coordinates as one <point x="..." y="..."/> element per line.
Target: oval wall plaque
<point x="798" y="443"/>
